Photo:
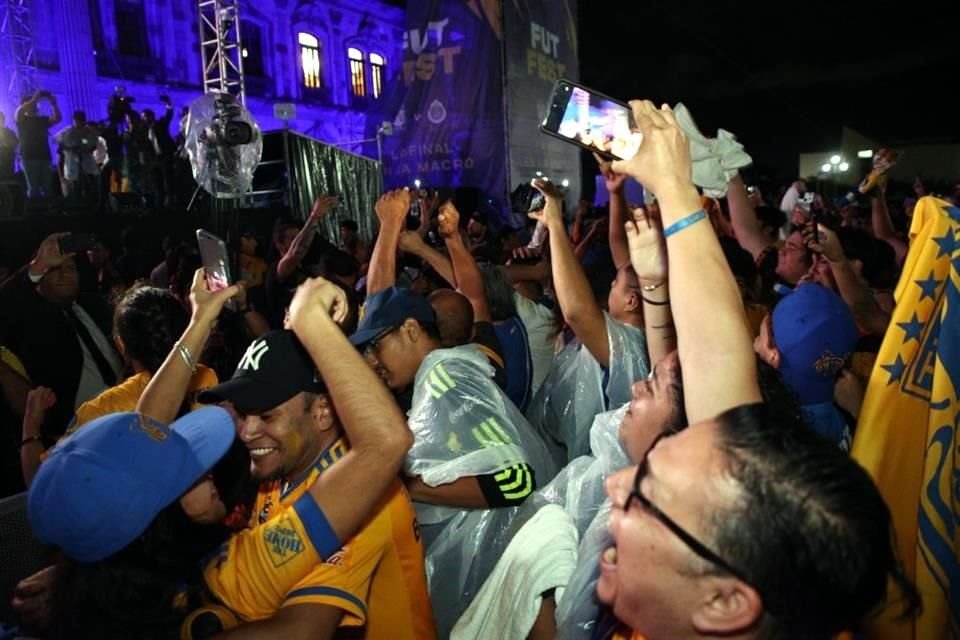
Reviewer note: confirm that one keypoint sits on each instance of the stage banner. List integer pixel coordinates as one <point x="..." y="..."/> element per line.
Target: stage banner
<point x="540" y="39"/>
<point x="446" y="107"/>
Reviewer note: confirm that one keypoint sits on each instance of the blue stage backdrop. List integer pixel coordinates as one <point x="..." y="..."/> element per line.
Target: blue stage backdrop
<point x="541" y="47"/>
<point x="446" y="106"/>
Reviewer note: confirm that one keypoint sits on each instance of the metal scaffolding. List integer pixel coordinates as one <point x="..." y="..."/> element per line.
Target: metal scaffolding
<point x="220" y="48"/>
<point x="17" y="61"/>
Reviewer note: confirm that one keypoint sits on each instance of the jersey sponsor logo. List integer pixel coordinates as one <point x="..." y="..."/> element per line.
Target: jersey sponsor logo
<point x="251" y="359"/>
<point x="282" y="541"/>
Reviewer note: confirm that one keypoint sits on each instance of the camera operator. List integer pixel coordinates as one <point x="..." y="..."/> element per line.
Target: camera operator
<point x="81" y="172"/>
<point x="34" y="144"/>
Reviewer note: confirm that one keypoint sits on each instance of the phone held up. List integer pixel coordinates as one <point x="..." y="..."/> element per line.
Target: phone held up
<point x="76" y="242"/>
<point x="591" y="120"/>
<point x="216" y="262"/>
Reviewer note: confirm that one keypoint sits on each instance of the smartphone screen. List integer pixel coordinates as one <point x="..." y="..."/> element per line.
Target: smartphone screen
<point x="216" y="260"/>
<point x="591" y="120"/>
<point x="76" y="242"/>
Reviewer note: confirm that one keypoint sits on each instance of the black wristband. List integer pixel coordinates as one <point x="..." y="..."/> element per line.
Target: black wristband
<point x="656" y="304"/>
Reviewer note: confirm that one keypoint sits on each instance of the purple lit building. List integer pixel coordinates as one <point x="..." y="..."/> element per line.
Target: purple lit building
<point x="330" y="58"/>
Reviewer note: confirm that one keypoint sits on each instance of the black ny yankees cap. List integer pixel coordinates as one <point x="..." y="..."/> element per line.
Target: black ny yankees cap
<point x="274" y="368"/>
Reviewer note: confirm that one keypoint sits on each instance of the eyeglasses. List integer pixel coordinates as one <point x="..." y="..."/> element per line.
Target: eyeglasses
<point x="695" y="545"/>
<point x="373" y="347"/>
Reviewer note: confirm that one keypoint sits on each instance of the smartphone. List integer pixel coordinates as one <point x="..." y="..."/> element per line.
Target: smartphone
<point x="537" y="202"/>
<point x="591" y="120"/>
<point x="216" y="262"/>
<point x="76" y="242"/>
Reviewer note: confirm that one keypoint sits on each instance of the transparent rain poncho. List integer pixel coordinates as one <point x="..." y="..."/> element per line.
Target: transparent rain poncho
<point x="579" y="490"/>
<point x="577" y="389"/>
<point x="463" y="426"/>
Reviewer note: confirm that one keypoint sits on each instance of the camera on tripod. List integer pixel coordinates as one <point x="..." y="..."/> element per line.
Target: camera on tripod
<point x="227" y="128"/>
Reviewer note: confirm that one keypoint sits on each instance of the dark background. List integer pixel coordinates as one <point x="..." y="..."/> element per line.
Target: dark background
<point x="784" y="77"/>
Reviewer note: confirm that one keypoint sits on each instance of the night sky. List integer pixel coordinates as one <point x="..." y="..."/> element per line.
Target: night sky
<point x="784" y="84"/>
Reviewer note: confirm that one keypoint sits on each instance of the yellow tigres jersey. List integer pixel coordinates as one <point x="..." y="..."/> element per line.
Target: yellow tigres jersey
<point x="290" y="556"/>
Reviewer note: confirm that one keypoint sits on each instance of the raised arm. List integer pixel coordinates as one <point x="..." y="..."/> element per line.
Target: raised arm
<point x="648" y="255"/>
<point x="577" y="302"/>
<point x="744" y="218"/>
<point x="867" y="313"/>
<point x="469" y="282"/>
<point x="348" y="492"/>
<point x="162" y="398"/>
<point x="56" y="116"/>
<point x="391" y="208"/>
<point x="301" y="244"/>
<point x="26" y="105"/>
<point x="412" y="242"/>
<point x="619" y="212"/>
<point x="883" y="225"/>
<point x="715" y="346"/>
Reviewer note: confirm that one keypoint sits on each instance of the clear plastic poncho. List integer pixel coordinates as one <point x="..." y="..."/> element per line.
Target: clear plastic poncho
<point x="464" y="425"/>
<point x="577" y="389"/>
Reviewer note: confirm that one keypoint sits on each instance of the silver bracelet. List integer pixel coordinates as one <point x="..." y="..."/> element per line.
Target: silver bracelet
<point x="187" y="357"/>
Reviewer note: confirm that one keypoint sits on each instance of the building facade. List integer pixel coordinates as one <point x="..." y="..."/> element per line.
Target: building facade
<point x="331" y="58"/>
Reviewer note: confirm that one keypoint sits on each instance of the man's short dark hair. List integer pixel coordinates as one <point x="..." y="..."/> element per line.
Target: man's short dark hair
<point x="349" y="224"/>
<point x="812" y="515"/>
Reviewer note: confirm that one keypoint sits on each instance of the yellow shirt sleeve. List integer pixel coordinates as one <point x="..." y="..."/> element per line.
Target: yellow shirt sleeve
<point x="343" y="580"/>
<point x="257" y="568"/>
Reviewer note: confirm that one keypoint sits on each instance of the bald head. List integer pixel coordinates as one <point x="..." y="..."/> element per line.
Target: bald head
<point x="454" y="316"/>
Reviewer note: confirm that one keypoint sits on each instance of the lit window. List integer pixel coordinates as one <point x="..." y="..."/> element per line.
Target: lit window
<point x="358" y="80"/>
<point x="377" y="65"/>
<point x="310" y="60"/>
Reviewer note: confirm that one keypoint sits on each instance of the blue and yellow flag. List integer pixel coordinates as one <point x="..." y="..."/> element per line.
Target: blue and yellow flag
<point x="907" y="433"/>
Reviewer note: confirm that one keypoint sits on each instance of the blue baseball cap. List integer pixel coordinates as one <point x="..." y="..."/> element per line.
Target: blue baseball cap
<point x="103" y="485"/>
<point x="815" y="333"/>
<point x="388" y="309"/>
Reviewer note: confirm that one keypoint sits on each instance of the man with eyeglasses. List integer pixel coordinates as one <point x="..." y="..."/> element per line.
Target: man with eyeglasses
<point x="474" y="458"/>
<point x="745" y="524"/>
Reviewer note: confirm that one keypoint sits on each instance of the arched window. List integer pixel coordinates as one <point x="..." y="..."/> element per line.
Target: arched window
<point x="311" y="60"/>
<point x="378" y="66"/>
<point x="358" y="80"/>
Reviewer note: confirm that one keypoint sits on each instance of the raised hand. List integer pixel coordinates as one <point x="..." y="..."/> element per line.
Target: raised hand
<point x="648" y="251"/>
<point x="207" y="304"/>
<point x="448" y="224"/>
<point x="393" y="206"/>
<point x="411" y="242"/>
<point x="48" y="255"/>
<point x="613" y="180"/>
<point x="316" y="296"/>
<point x="825" y="242"/>
<point x="552" y="212"/>
<point x="663" y="162"/>
<point x="323" y="205"/>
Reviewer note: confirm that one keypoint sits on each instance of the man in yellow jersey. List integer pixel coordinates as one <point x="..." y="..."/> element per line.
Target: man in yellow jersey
<point x="374" y="579"/>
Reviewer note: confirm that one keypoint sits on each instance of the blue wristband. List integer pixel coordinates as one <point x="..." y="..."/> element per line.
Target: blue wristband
<point x="683" y="223"/>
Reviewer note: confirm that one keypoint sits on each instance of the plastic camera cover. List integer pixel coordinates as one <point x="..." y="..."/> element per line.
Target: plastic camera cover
<point x="223" y="170"/>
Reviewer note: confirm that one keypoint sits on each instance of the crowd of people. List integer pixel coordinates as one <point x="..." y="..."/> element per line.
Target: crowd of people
<point x="634" y="423"/>
<point x="130" y="151"/>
